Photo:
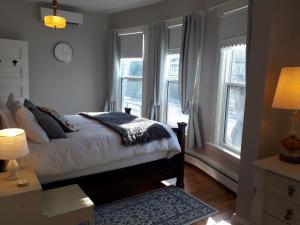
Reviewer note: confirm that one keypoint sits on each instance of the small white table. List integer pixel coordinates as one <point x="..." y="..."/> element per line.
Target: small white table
<point x="68" y="206"/>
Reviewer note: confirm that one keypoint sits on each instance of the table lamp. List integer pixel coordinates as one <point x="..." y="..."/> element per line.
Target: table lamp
<point x="13" y="145"/>
<point x="287" y="96"/>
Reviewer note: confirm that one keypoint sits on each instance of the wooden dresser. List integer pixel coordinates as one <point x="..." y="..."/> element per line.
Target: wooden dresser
<point x="277" y="193"/>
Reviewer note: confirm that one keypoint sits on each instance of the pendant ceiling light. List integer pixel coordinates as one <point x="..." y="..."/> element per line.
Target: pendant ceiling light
<point x="55" y="21"/>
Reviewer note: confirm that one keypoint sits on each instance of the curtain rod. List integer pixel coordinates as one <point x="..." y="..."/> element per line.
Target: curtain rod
<point x="131" y="33"/>
<point x="201" y="12"/>
<point x="220" y="5"/>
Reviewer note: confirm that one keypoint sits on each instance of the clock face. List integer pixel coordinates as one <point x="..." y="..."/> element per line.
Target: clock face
<point x="63" y="52"/>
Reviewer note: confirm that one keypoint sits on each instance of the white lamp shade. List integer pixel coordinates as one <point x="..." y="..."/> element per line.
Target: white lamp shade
<point x="13" y="144"/>
<point x="287" y="95"/>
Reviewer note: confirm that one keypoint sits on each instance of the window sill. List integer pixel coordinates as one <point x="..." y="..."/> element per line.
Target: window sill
<point x="220" y="148"/>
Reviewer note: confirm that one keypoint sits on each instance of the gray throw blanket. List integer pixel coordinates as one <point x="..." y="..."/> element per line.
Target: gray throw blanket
<point x="132" y="130"/>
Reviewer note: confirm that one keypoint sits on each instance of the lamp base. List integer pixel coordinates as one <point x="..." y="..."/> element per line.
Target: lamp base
<point x="12" y="168"/>
<point x="289" y="158"/>
<point x="291" y="151"/>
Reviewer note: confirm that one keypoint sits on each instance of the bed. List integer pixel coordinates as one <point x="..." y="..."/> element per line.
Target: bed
<point x="93" y="157"/>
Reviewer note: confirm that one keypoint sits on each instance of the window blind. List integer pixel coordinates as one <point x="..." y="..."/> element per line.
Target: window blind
<point x="132" y="45"/>
<point x="175" y="34"/>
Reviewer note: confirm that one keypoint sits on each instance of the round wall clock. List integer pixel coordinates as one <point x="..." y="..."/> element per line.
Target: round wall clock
<point x="63" y="52"/>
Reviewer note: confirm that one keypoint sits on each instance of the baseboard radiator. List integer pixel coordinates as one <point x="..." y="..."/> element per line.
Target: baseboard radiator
<point x="213" y="171"/>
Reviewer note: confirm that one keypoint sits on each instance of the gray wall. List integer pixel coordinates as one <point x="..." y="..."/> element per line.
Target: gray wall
<point x="69" y="88"/>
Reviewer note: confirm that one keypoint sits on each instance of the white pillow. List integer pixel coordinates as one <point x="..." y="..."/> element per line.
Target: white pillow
<point x="26" y="120"/>
<point x="6" y="117"/>
<point x="14" y="102"/>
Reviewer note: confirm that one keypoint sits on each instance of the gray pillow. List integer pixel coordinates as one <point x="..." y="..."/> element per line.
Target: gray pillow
<point x="49" y="124"/>
<point x="13" y="102"/>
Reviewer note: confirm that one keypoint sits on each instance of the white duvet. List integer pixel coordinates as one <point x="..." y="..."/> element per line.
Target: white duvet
<point x="93" y="145"/>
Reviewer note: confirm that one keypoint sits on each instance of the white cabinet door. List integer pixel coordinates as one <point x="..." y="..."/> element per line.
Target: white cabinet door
<point x="14" y="68"/>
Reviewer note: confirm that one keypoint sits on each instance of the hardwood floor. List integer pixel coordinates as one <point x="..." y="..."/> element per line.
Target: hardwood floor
<point x="211" y="192"/>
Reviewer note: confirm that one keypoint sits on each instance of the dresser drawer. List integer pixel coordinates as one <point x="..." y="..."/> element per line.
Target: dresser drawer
<point x="282" y="186"/>
<point x="282" y="209"/>
<point x="270" y="220"/>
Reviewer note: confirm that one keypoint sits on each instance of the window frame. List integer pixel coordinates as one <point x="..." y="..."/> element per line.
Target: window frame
<point x="224" y="85"/>
<point x="129" y="31"/>
<point x="169" y="80"/>
<point x="132" y="78"/>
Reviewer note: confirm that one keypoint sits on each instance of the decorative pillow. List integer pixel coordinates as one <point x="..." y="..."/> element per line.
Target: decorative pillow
<point x="50" y="126"/>
<point x="26" y="120"/>
<point x="62" y="121"/>
<point x="29" y="105"/>
<point x="14" y="102"/>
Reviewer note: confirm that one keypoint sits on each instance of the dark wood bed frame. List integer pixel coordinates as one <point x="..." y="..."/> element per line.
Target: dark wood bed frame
<point x="145" y="173"/>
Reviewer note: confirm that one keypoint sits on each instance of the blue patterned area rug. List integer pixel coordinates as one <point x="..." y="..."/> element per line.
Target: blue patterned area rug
<point x="169" y="205"/>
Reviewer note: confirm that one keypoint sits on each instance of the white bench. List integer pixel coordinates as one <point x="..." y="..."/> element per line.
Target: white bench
<point x="67" y="206"/>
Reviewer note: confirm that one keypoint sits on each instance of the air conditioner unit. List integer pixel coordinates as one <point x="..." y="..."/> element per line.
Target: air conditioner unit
<point x="71" y="17"/>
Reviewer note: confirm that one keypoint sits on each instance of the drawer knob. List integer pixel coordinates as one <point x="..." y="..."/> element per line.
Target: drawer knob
<point x="291" y="190"/>
<point x="289" y="214"/>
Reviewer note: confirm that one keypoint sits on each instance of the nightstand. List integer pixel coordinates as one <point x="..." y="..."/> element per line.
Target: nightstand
<point x="277" y="193"/>
<point x="20" y="203"/>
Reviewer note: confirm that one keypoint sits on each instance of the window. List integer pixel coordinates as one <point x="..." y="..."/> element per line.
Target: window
<point x="174" y="113"/>
<point x="131" y="84"/>
<point x="231" y="97"/>
<point x="172" y="106"/>
<point x="131" y="67"/>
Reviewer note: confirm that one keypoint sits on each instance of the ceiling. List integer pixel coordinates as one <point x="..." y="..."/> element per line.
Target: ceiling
<point x="105" y="6"/>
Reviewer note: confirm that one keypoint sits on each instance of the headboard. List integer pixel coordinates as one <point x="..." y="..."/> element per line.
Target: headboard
<point x="14" y="76"/>
<point x="1" y="123"/>
<point x="1" y="161"/>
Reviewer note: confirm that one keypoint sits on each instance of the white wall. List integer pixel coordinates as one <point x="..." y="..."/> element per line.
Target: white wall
<point x="269" y="51"/>
<point x="69" y="88"/>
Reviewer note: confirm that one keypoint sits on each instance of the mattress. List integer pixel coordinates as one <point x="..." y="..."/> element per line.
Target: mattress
<point x="93" y="149"/>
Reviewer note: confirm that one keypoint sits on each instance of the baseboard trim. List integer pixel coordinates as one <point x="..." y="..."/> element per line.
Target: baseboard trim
<point x="229" y="183"/>
<point x="237" y="220"/>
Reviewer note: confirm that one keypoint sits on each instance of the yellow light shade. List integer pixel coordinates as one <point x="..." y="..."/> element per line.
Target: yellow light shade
<point x="13" y="144"/>
<point x="287" y="95"/>
<point x="56" y="22"/>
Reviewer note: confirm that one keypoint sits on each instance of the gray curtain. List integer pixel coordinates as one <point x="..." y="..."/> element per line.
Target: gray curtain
<point x="158" y="49"/>
<point x="112" y="103"/>
<point x="189" y="75"/>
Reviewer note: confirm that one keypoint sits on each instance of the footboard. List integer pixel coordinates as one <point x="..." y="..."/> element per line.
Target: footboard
<point x="180" y="132"/>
